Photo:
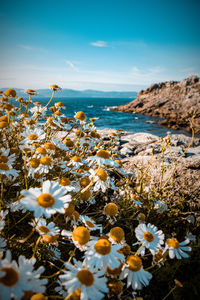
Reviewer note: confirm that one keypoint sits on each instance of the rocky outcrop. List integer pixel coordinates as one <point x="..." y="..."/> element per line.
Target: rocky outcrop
<point x="141" y="150"/>
<point x="172" y="101"/>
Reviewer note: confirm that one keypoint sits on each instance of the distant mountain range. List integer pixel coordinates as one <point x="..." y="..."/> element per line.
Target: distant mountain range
<point x="78" y="94"/>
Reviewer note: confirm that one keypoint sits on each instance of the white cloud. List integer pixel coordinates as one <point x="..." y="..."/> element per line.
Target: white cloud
<point x="156" y="70"/>
<point x="26" y="47"/>
<point x="99" y="44"/>
<point x="30" y="48"/>
<point x="72" y="66"/>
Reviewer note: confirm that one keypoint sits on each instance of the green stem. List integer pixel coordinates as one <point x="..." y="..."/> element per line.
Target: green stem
<point x="72" y="255"/>
<point x="169" y="292"/>
<point x="35" y="248"/>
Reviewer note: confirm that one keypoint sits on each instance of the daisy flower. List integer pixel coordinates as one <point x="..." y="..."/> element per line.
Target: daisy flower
<point x="15" y="278"/>
<point x="92" y="283"/>
<point x="45" y="229"/>
<point x="111" y="211"/>
<point x="32" y="166"/>
<point x="6" y="158"/>
<point x="101" y="254"/>
<point x="177" y="249"/>
<point x="76" y="162"/>
<point x="116" y="235"/>
<point x="150" y="237"/>
<point x="88" y="222"/>
<point x="80" y="236"/>
<point x="47" y="200"/>
<point x="33" y="136"/>
<point x="135" y="274"/>
<point x="59" y="144"/>
<point x="66" y="183"/>
<point x="101" y="179"/>
<point x="46" y="164"/>
<point x="5" y="169"/>
<point x="38" y="109"/>
<point x="102" y="157"/>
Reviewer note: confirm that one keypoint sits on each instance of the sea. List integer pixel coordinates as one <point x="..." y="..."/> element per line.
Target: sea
<point x="101" y="108"/>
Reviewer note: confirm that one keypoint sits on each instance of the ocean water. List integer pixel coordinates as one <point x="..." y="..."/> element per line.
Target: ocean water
<point x="100" y="108"/>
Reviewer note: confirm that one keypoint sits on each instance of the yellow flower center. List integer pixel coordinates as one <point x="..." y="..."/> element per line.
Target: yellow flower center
<point x="43" y="229"/>
<point x="69" y="210"/>
<point x="115" y="271"/>
<point x="8" y="107"/>
<point x="10" y="278"/>
<point x="32" y="137"/>
<point x="111" y="209"/>
<point x="173" y="243"/>
<point x="41" y="150"/>
<point x="64" y="120"/>
<point x="85" y="277"/>
<point x="76" y="158"/>
<point x="49" y="146"/>
<point x="134" y="263"/>
<point x="79" y="133"/>
<point x="80" y="116"/>
<point x="142" y="217"/>
<point x="45" y="160"/>
<point x="148" y="236"/>
<point x="103" y="154"/>
<point x="117" y="234"/>
<point x="46" y="200"/>
<point x="81" y="235"/>
<point x="10" y="93"/>
<point x="31" y="92"/>
<point x="84" y="181"/>
<point x="85" y="195"/>
<point x="64" y="181"/>
<point x="69" y="143"/>
<point x="101" y="174"/>
<point x="14" y="150"/>
<point x="38" y="297"/>
<point x="34" y="163"/>
<point x="86" y="145"/>
<point x="55" y="87"/>
<point x="115" y="288"/>
<point x="89" y="224"/>
<point x="4" y="166"/>
<point x="103" y="247"/>
<point x="48" y="238"/>
<point x="3" y="159"/>
<point x="57" y="113"/>
<point x="126" y="250"/>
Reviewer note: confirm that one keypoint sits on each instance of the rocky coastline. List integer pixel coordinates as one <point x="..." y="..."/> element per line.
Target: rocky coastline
<point x="136" y="151"/>
<point x="172" y="101"/>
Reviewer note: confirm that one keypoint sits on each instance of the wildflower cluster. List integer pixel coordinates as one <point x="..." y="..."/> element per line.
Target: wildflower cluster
<point x="66" y="198"/>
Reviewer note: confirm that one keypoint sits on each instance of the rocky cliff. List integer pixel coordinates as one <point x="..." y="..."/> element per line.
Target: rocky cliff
<point x="173" y="101"/>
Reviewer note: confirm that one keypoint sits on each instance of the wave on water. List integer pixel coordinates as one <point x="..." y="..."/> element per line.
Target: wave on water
<point x="108" y="108"/>
<point x="90" y="106"/>
<point x="150" y="122"/>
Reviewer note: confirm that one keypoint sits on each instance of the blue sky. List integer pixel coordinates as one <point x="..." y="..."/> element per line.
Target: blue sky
<point x="98" y="44"/>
